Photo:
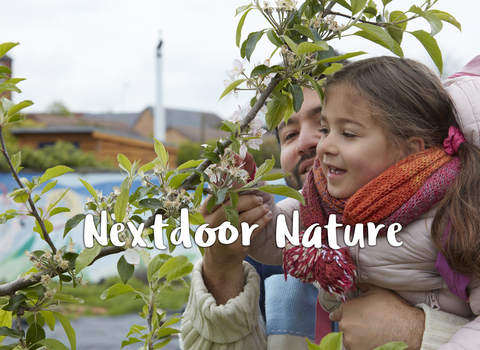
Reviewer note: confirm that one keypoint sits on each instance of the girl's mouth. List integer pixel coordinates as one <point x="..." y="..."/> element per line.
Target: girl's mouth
<point x="336" y="171"/>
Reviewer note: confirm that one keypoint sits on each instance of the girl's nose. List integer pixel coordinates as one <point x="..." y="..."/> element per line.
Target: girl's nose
<point x="327" y="146"/>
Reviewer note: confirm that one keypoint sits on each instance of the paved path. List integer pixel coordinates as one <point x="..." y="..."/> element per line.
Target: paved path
<point x="103" y="333"/>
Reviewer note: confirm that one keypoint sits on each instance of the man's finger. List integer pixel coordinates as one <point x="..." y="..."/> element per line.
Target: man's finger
<point x="337" y="314"/>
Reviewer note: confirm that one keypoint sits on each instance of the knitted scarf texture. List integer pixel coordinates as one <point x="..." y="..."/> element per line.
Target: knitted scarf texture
<point x="400" y="194"/>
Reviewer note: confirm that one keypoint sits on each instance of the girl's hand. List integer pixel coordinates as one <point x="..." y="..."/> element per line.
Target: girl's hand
<point x="222" y="266"/>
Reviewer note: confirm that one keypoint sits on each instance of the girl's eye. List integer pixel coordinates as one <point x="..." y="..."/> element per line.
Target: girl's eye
<point x="348" y="135"/>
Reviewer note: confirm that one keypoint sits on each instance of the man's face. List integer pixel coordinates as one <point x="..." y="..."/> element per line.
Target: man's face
<point x="299" y="139"/>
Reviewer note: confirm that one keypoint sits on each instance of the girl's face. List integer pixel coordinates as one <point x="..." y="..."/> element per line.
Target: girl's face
<point x="353" y="149"/>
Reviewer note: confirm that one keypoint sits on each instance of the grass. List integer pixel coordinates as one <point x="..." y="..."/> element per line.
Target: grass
<point x="123" y="304"/>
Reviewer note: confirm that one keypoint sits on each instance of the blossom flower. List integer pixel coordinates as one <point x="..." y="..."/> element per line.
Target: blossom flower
<point x="50" y="293"/>
<point x="46" y="280"/>
<point x="227" y="83"/>
<point x="71" y="246"/>
<point x="132" y="255"/>
<point x="48" y="254"/>
<point x="236" y="71"/>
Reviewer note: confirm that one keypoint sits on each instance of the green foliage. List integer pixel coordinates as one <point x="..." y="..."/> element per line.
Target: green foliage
<point x="333" y="341"/>
<point x="58" y="108"/>
<point x="61" y="153"/>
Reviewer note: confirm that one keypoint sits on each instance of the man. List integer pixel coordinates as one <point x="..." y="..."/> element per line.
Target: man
<point x="223" y="307"/>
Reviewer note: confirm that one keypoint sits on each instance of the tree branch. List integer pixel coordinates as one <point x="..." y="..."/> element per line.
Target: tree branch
<point x="30" y="201"/>
<point x="227" y="142"/>
<point x="14" y="286"/>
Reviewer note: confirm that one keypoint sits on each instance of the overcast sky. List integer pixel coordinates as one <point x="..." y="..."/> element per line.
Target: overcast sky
<point x="99" y="55"/>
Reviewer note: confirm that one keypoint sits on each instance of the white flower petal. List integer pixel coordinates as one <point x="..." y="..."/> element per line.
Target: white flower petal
<point x="132" y="257"/>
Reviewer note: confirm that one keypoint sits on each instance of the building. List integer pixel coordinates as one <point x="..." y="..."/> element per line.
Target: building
<point x="131" y="134"/>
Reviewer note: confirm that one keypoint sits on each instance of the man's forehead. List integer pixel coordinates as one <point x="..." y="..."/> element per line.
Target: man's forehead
<point x="312" y="112"/>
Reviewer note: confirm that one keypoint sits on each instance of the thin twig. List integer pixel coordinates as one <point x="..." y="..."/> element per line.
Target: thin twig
<point x="12" y="287"/>
<point x="33" y="209"/>
<point x="227" y="142"/>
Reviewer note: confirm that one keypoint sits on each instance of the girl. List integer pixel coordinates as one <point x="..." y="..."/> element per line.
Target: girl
<point x="390" y="154"/>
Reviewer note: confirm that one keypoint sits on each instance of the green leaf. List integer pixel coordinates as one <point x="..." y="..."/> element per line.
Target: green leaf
<point x="177" y="180"/>
<point x="228" y="126"/>
<point x="73" y="222"/>
<point x="156" y="263"/>
<point x="344" y="4"/>
<point x="124" y="163"/>
<point x="49" y="317"/>
<point x="5" y="70"/>
<point x="173" y="264"/>
<point x="238" y="35"/>
<point x="233" y="199"/>
<point x="86" y="257"/>
<point x="52" y="205"/>
<point x="130" y="341"/>
<point x="14" y="302"/>
<point x="59" y="210"/>
<point x="306" y="47"/>
<point x="116" y="290"/>
<point x="124" y="269"/>
<point x="304" y="31"/>
<point x="261" y="70"/>
<point x="315" y="85"/>
<point x="49" y="186"/>
<point x="163" y="332"/>
<point x="52" y="344"/>
<point x="90" y="189"/>
<point x="397" y="50"/>
<point x="386" y="2"/>
<point x="54" y="172"/>
<point x="265" y="168"/>
<point x="249" y="45"/>
<point x="357" y="6"/>
<point x="67" y="298"/>
<point x="5" y="47"/>
<point x="231" y="215"/>
<point x="16" y="160"/>
<point x="446" y="17"/>
<point x="196" y="218"/>
<point x="190" y="164"/>
<point x="121" y="203"/>
<point x="291" y="44"/>
<point x="212" y="156"/>
<point x="273" y="177"/>
<point x="297" y="94"/>
<point x="151" y="203"/>
<point x="396" y="31"/>
<point x="12" y="333"/>
<point x="332" y="341"/>
<point x="35" y="333"/>
<point x="5" y="321"/>
<point x="18" y="107"/>
<point x="240" y="9"/>
<point x="283" y="191"/>
<point x="275" y="113"/>
<point x="231" y="87"/>
<point x="431" y="46"/>
<point x="162" y="344"/>
<point x="435" y="23"/>
<point x="161" y="153"/>
<point x="274" y="39"/>
<point x="197" y="198"/>
<point x="68" y="329"/>
<point x="393" y="346"/>
<point x="378" y="33"/>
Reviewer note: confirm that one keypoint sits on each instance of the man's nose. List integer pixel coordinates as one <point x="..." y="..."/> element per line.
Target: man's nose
<point x="308" y="140"/>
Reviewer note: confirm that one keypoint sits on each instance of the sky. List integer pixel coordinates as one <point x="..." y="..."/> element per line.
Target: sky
<point x="99" y="56"/>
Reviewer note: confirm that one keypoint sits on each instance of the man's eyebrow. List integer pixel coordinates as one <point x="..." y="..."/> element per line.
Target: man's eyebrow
<point x="282" y="124"/>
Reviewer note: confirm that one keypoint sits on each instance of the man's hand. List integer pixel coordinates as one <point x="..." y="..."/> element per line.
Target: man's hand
<point x="222" y="266"/>
<point x="377" y="317"/>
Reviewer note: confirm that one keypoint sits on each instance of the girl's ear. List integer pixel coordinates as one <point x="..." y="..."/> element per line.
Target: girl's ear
<point x="417" y="143"/>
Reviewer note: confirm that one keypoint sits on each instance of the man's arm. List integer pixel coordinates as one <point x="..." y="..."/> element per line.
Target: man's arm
<point x="380" y="316"/>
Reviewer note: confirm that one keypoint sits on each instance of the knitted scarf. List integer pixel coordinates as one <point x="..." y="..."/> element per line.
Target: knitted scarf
<point x="400" y="194"/>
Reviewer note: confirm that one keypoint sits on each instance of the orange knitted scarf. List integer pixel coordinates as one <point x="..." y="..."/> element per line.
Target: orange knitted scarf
<point x="400" y="194"/>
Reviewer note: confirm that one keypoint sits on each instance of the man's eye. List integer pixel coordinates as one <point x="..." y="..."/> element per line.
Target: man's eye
<point x="290" y="135"/>
<point x="324" y="130"/>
